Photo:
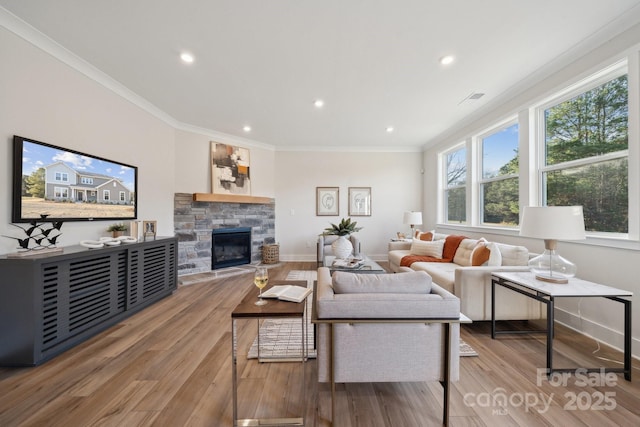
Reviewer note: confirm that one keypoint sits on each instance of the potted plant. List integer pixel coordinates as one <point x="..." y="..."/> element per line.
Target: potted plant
<point x="117" y="229"/>
<point x="342" y="247"/>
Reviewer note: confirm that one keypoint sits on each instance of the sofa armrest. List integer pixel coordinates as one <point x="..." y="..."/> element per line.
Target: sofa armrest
<point x="479" y="275"/>
<point x="473" y="286"/>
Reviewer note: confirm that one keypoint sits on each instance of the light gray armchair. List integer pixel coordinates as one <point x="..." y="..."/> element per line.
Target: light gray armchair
<point x="386" y="328"/>
<point x="324" y="246"/>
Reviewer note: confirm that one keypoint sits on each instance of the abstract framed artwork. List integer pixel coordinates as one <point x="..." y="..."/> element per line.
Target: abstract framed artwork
<point x="359" y="201"/>
<point x="327" y="201"/>
<point x="230" y="170"/>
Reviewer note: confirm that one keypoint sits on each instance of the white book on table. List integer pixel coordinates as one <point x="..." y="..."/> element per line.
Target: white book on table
<point x="287" y="293"/>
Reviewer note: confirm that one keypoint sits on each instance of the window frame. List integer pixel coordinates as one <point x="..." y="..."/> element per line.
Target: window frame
<point x="480" y="181"/>
<point x="595" y="80"/>
<point x="445" y="183"/>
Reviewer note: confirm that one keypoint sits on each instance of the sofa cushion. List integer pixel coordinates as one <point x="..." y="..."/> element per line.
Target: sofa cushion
<point x="416" y="282"/>
<point x="495" y="256"/>
<point x="442" y="273"/>
<point x="427" y="248"/>
<point x="513" y="255"/>
<point x="462" y="256"/>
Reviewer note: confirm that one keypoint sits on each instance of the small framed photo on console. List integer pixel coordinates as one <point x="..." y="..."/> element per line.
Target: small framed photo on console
<point x="149" y="230"/>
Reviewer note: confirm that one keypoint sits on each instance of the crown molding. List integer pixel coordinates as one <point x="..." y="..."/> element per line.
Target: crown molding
<point x="33" y="36"/>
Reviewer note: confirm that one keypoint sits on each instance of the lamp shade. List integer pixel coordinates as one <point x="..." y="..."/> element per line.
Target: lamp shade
<point x="413" y="218"/>
<point x="553" y="222"/>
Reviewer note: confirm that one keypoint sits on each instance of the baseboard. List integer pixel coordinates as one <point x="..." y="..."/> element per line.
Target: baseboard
<point x="596" y="331"/>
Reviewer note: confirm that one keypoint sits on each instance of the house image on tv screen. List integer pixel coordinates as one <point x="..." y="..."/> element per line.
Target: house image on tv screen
<point x="62" y="182"/>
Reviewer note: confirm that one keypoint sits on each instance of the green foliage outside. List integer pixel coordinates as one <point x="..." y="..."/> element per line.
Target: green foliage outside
<point x="590" y="125"/>
<point x="585" y="127"/>
<point x="34" y="183"/>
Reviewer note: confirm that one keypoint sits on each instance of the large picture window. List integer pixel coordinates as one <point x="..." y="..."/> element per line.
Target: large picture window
<point x="585" y="160"/>
<point x="456" y="186"/>
<point x="499" y="192"/>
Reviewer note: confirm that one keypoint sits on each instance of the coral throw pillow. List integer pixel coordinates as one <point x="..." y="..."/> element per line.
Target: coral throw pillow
<point x="480" y="255"/>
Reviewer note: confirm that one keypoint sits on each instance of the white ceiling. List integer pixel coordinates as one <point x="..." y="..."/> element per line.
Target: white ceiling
<point x="375" y="63"/>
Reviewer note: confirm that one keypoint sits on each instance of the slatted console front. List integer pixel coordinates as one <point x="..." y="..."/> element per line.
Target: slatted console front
<point x="51" y="302"/>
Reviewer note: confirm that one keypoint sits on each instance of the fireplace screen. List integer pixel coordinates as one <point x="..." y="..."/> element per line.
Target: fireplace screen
<point x="230" y="246"/>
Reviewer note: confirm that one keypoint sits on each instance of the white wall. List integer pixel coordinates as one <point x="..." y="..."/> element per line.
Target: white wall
<point x="395" y="181"/>
<point x="607" y="262"/>
<point x="43" y="99"/>
<point x="193" y="169"/>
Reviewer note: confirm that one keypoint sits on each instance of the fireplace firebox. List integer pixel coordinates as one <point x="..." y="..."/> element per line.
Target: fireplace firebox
<point x="230" y="246"/>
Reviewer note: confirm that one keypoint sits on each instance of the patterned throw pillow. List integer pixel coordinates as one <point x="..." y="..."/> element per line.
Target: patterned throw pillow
<point x="426" y="248"/>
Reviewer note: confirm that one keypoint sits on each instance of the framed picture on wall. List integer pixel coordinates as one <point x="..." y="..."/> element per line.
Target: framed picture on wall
<point x="359" y="201"/>
<point x="327" y="201"/>
<point x="230" y="169"/>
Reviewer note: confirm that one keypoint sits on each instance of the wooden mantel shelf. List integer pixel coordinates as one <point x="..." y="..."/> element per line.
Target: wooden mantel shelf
<point x="231" y="198"/>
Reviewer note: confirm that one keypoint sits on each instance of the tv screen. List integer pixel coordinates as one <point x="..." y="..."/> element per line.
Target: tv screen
<point x="67" y="185"/>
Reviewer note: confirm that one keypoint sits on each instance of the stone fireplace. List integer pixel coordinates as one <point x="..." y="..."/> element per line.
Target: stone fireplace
<point x="195" y="221"/>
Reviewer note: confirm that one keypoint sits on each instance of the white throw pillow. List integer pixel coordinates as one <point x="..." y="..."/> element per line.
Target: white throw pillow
<point x="426" y="248"/>
<point x="495" y="259"/>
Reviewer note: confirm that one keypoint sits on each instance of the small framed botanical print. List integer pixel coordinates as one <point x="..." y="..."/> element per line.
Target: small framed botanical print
<point x="359" y="201"/>
<point x="327" y="201"/>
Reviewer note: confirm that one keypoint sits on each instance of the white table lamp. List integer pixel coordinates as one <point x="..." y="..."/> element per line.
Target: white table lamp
<point x="412" y="218"/>
<point x="552" y="223"/>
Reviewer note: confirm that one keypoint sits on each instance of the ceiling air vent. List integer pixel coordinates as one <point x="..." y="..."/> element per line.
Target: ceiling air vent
<point x="473" y="96"/>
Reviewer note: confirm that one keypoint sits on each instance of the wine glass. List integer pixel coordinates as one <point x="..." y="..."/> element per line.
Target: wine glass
<point x="260" y="279"/>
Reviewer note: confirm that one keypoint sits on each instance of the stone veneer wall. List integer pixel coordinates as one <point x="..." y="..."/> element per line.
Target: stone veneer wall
<point x="193" y="222"/>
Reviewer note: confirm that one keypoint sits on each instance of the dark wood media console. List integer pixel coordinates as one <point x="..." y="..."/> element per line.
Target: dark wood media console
<point x="51" y="302"/>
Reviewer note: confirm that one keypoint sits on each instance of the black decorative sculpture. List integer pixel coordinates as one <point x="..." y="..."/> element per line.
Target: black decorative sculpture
<point x="43" y="234"/>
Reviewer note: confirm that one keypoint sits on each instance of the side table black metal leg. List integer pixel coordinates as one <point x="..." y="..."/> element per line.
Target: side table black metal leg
<point x="493" y="309"/>
<point x="627" y="339"/>
<point x="550" y="321"/>
<point x="447" y="373"/>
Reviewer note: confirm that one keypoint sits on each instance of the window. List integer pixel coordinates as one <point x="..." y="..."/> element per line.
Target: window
<point x="585" y="158"/>
<point x="106" y="195"/>
<point x="455" y="193"/>
<point x="122" y="197"/>
<point x="62" y="177"/>
<point x="499" y="192"/>
<point x="86" y="180"/>
<point x="61" y="192"/>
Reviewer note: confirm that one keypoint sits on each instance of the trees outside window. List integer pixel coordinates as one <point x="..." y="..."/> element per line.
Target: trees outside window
<point x="586" y="155"/>
<point x="499" y="181"/>
<point x="456" y="190"/>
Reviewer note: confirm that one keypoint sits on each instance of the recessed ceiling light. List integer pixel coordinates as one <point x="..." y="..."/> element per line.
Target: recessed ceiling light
<point x="390" y="129"/>
<point x="446" y="60"/>
<point x="246" y="128"/>
<point x="318" y="103"/>
<point x="187" y="57"/>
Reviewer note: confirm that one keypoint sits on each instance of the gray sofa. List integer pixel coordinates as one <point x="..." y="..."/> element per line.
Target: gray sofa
<point x="384" y="351"/>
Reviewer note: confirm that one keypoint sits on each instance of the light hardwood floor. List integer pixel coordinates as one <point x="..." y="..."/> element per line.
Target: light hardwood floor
<point x="170" y="365"/>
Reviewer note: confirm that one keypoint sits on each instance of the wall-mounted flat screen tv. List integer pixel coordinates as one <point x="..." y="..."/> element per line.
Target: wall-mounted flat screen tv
<point x="67" y="185"/>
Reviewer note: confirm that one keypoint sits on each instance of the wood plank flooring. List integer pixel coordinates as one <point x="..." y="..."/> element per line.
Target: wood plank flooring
<point x="170" y="365"/>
